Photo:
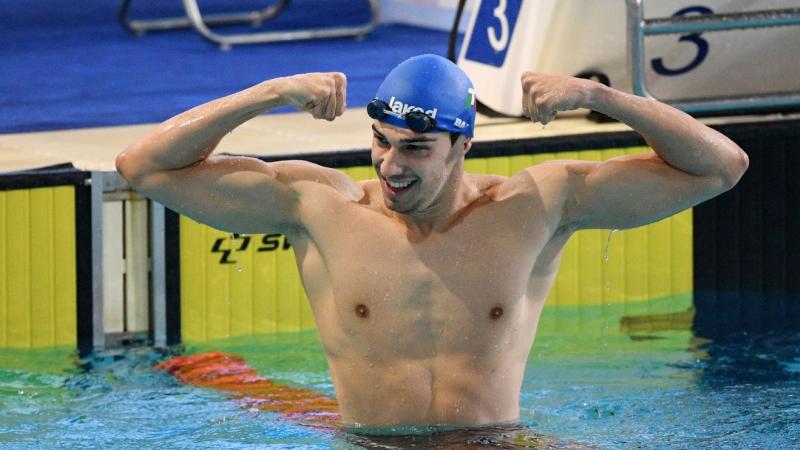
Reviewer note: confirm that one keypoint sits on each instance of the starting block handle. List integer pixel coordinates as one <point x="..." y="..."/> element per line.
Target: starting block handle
<point x="638" y="27"/>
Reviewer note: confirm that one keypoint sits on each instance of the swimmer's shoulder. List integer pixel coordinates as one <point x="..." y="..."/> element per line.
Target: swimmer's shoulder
<point x="536" y="179"/>
<point x="484" y="182"/>
<point x="307" y="178"/>
<point x="372" y="192"/>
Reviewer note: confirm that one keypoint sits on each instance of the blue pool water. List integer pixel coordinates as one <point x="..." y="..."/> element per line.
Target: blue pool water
<point x="609" y="389"/>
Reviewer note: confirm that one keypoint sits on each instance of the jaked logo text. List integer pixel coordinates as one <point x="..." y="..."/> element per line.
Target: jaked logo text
<point x="401" y="108"/>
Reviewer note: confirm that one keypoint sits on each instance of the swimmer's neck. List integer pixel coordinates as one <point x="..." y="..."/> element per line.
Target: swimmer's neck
<point x="457" y="197"/>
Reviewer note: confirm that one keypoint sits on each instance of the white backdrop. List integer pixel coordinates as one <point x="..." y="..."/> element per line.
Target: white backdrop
<point x="435" y="14"/>
<point x="507" y="37"/>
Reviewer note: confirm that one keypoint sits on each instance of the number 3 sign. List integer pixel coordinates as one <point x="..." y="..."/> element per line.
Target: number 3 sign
<point x="497" y="19"/>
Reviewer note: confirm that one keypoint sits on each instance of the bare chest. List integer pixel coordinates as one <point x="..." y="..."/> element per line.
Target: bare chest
<point x="452" y="292"/>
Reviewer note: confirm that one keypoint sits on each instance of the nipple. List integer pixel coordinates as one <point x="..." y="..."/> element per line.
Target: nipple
<point x="362" y="310"/>
<point x="496" y="312"/>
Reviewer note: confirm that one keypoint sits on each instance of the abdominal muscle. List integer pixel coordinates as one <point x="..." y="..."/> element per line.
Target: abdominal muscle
<point x="445" y="390"/>
<point x="418" y="368"/>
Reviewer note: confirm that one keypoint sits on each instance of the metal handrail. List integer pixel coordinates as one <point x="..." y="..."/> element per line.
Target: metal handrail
<point x="638" y="28"/>
<point x="140" y="27"/>
<point x="723" y="22"/>
<point x="195" y="19"/>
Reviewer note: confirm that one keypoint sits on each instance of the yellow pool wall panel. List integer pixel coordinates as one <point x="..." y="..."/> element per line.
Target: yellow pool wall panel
<point x="248" y="285"/>
<point x="38" y="268"/>
<point x="258" y="290"/>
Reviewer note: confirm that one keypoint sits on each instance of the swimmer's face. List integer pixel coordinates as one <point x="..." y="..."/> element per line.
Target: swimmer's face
<point x="415" y="169"/>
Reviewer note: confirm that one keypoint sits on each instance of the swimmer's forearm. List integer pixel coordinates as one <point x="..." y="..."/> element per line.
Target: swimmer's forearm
<point x="191" y="136"/>
<point x="679" y="139"/>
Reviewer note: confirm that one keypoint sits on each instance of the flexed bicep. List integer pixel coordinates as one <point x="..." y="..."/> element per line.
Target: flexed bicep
<point x="631" y="191"/>
<point x="246" y="195"/>
<point x="236" y="194"/>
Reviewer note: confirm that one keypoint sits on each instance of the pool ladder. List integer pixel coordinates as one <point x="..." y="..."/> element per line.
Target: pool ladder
<point x="195" y="19"/>
<point x="639" y="27"/>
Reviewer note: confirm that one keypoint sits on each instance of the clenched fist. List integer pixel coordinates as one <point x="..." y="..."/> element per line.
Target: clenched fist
<point x="544" y="95"/>
<point x="324" y="95"/>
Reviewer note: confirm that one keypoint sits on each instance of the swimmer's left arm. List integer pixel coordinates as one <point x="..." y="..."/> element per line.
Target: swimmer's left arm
<point x="690" y="162"/>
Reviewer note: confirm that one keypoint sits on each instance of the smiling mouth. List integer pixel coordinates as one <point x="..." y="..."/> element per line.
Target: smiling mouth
<point x="398" y="187"/>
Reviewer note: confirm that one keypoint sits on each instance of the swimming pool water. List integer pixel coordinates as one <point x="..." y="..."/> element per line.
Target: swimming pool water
<point x="611" y="389"/>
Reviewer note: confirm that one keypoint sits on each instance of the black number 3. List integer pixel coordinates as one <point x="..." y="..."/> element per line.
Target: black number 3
<point x="702" y="46"/>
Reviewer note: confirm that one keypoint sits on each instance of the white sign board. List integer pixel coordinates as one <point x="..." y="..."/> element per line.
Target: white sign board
<point x="507" y="37"/>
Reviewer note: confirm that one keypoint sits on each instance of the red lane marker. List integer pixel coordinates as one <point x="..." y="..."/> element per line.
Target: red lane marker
<point x="229" y="373"/>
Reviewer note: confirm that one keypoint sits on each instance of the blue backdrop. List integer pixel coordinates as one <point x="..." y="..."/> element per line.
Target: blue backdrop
<point x="69" y="64"/>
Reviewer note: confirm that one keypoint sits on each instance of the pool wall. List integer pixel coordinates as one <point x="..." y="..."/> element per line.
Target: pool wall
<point x="747" y="241"/>
<point x="40" y="223"/>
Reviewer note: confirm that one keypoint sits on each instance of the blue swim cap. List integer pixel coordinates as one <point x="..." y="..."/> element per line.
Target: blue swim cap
<point x="434" y="85"/>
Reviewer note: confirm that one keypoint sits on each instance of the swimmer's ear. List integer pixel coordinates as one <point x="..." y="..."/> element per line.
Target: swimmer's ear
<point x="462" y="143"/>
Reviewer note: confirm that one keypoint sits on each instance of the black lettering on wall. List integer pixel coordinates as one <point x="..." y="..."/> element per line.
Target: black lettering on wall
<point x="226" y="253"/>
<point x="269" y="243"/>
<point x="245" y="241"/>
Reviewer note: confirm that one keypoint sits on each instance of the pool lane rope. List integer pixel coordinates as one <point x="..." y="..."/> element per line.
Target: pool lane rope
<point x="229" y="373"/>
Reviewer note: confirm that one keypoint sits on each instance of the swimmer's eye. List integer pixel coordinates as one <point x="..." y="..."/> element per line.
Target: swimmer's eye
<point x="381" y="141"/>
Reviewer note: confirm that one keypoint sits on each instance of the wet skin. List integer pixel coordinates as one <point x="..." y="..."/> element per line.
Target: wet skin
<point x="427" y="316"/>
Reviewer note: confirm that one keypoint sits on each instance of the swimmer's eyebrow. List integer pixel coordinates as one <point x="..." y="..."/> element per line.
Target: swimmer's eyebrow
<point x="407" y="140"/>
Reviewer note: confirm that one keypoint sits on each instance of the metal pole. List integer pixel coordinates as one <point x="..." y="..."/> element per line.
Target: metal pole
<point x="158" y="274"/>
<point x="636" y="47"/>
<point x="98" y="334"/>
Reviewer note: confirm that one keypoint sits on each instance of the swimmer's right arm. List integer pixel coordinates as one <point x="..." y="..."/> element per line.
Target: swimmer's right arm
<point x="174" y="165"/>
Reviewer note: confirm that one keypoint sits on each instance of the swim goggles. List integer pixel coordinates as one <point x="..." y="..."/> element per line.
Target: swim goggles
<point x="417" y="121"/>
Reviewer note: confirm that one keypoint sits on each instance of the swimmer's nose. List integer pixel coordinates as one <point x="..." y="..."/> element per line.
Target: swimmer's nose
<point x="392" y="164"/>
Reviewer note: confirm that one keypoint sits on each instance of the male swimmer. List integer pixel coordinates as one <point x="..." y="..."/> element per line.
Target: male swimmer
<point x="427" y="284"/>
